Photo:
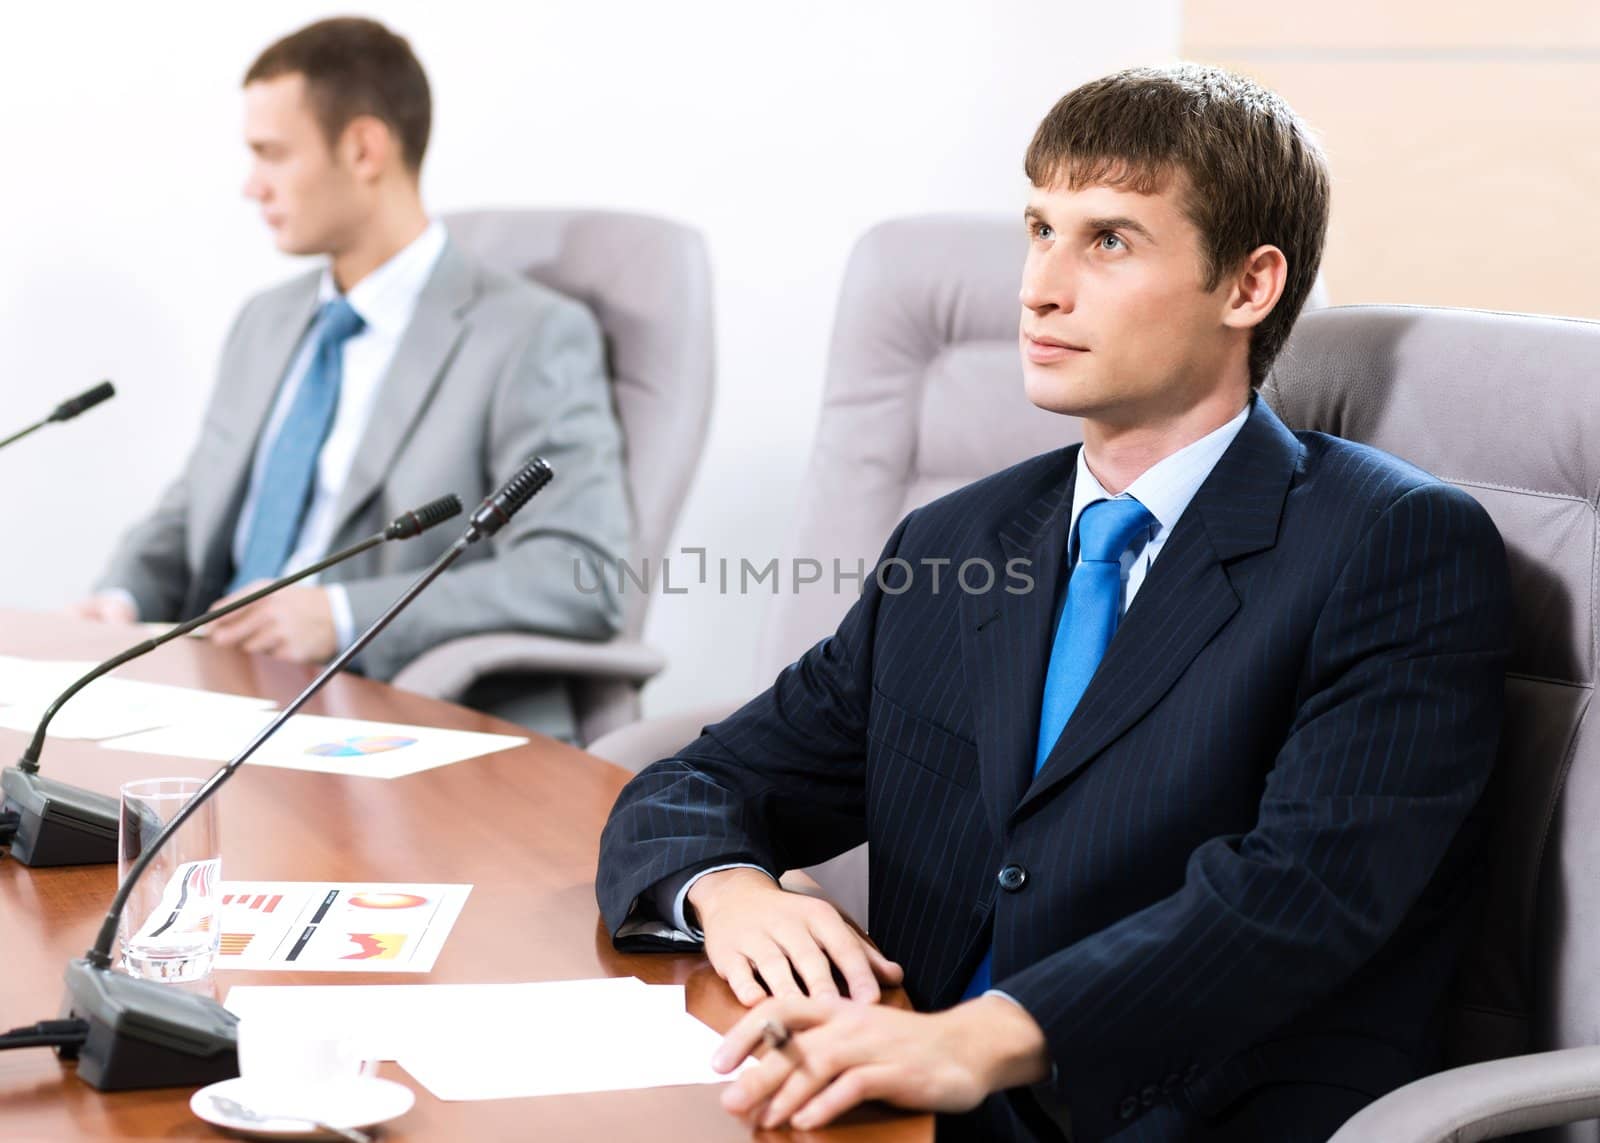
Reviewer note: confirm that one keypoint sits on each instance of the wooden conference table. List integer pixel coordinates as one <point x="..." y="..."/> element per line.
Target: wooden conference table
<point x="521" y="826"/>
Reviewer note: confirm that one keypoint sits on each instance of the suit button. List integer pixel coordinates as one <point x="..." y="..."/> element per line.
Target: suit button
<point x="1013" y="878"/>
<point x="1127" y="1107"/>
<point x="1149" y="1094"/>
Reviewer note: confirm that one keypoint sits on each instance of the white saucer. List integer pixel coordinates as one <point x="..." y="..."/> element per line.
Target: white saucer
<point x="361" y="1102"/>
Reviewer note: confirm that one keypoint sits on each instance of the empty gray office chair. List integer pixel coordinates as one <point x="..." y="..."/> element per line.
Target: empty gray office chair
<point x="924" y="394"/>
<point x="648" y="283"/>
<point x="1504" y="406"/>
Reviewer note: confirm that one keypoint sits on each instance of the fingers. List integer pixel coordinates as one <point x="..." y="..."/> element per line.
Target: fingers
<point x="855" y="1086"/>
<point x="772" y="962"/>
<point x="103" y="609"/>
<point x="736" y="969"/>
<point x="743" y="1037"/>
<point x="239" y="627"/>
<point x="264" y="640"/>
<point x="807" y="1074"/>
<point x="847" y="950"/>
<point x="811" y="963"/>
<point x="887" y="970"/>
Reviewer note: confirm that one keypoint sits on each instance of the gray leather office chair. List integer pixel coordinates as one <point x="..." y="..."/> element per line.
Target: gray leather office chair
<point x="648" y="283"/>
<point x="924" y="394"/>
<point x="1504" y="406"/>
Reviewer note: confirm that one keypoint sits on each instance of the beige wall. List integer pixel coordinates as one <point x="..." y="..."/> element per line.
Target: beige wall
<point x="1464" y="140"/>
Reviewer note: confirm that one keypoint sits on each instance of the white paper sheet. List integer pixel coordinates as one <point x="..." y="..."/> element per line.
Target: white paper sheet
<point x="325" y="745"/>
<point x="385" y="1020"/>
<point x="320" y="926"/>
<point x="106" y="708"/>
<point x="503" y="1041"/>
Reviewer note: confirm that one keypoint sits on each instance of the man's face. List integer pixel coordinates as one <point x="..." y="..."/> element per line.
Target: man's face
<point x="308" y="195"/>
<point x="1116" y="323"/>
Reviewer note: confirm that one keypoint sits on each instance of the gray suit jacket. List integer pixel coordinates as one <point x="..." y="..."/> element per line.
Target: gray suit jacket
<point x="491" y="370"/>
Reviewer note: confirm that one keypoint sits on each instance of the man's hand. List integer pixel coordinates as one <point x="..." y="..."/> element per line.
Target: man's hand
<point x="295" y="624"/>
<point x="104" y="609"/>
<point x="752" y="925"/>
<point x="842" y="1052"/>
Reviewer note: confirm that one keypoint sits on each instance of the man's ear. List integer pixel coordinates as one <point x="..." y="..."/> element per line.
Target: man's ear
<point x="1255" y="287"/>
<point x="367" y="146"/>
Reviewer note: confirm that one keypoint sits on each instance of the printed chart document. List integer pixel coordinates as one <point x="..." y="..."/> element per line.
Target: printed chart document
<point x="316" y="926"/>
<point x="325" y="745"/>
<point x="504" y="1041"/>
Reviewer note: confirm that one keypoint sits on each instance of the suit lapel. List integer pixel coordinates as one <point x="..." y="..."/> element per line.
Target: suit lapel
<point x="1186" y="599"/>
<point x="419" y="364"/>
<point x="1006" y="637"/>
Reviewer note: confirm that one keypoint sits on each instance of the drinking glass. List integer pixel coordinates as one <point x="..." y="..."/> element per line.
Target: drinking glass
<point x="171" y="928"/>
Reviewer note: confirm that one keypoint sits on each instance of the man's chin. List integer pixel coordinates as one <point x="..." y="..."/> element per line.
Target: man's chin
<point x="1056" y="394"/>
<point x="293" y="244"/>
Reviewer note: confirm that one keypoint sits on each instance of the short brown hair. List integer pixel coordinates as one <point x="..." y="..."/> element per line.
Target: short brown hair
<point x="355" y="67"/>
<point x="1255" y="175"/>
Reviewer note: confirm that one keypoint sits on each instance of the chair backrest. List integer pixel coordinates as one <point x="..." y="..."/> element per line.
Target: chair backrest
<point x="1502" y="405"/>
<point x="648" y="283"/>
<point x="923" y="394"/>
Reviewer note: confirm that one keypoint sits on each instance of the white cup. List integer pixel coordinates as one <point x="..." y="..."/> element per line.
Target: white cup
<point x="283" y="1060"/>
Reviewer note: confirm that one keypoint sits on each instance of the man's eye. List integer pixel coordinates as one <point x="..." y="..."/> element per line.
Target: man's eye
<point x="1042" y="230"/>
<point x="1110" y="241"/>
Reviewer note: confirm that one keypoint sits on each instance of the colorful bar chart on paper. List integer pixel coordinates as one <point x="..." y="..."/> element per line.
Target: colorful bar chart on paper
<point x="313" y="926"/>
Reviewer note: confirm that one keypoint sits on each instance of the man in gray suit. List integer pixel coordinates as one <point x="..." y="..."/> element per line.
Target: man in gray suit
<point x="400" y="372"/>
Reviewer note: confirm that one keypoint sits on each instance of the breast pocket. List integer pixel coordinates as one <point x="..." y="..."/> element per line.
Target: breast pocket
<point x="914" y="738"/>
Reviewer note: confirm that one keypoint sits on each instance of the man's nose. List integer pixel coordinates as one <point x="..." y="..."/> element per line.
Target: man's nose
<point x="1046" y="285"/>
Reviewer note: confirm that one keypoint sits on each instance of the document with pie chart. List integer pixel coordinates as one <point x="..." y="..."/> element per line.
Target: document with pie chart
<point x="325" y="745"/>
<point x="319" y="926"/>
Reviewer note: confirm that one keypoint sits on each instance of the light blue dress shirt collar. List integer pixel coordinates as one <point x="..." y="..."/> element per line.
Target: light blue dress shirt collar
<point x="1166" y="487"/>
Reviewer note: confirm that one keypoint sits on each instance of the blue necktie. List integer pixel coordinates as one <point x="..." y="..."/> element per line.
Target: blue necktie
<point x="1088" y="620"/>
<point x="290" y="472"/>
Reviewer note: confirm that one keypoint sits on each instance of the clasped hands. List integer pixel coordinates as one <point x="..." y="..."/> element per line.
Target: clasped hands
<point x="843" y="1051"/>
<point x="294" y="624"/>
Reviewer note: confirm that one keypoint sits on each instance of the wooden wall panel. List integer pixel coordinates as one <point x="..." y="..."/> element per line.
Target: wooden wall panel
<point x="1466" y="167"/>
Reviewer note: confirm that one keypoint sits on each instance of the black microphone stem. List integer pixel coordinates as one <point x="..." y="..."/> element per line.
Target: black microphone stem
<point x="100" y="955"/>
<point x="29" y="762"/>
<point x="17" y="436"/>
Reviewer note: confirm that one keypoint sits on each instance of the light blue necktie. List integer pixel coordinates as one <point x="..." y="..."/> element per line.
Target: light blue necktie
<point x="290" y="472"/>
<point x="1088" y="620"/>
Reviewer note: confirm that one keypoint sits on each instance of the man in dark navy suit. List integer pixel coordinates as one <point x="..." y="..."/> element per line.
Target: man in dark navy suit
<point x="1176" y="844"/>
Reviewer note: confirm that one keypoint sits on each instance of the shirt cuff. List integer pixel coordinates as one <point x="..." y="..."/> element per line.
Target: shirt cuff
<point x="681" y="898"/>
<point x="344" y="619"/>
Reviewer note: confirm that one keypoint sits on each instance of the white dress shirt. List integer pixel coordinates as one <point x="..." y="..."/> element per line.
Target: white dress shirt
<point x="1165" y="488"/>
<point x="385" y="299"/>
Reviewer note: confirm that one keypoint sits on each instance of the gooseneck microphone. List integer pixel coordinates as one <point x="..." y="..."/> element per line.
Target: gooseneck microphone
<point x="67" y="410"/>
<point x="141" y="1033"/>
<point x="54" y="823"/>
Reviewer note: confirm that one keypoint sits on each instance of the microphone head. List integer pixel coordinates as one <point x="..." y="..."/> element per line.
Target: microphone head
<point x="419" y="520"/>
<point x="496" y="511"/>
<point x="84" y="401"/>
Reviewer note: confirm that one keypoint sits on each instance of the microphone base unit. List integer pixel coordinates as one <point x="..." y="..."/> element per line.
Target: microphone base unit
<point x="144" y="1034"/>
<point x="58" y="824"/>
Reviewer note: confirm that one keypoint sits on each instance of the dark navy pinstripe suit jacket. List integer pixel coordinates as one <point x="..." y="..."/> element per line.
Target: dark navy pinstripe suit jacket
<point x="1247" y="858"/>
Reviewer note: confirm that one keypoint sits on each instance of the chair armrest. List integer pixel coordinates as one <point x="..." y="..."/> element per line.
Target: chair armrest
<point x="635" y="746"/>
<point x="1485" y="1101"/>
<point x="446" y="671"/>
